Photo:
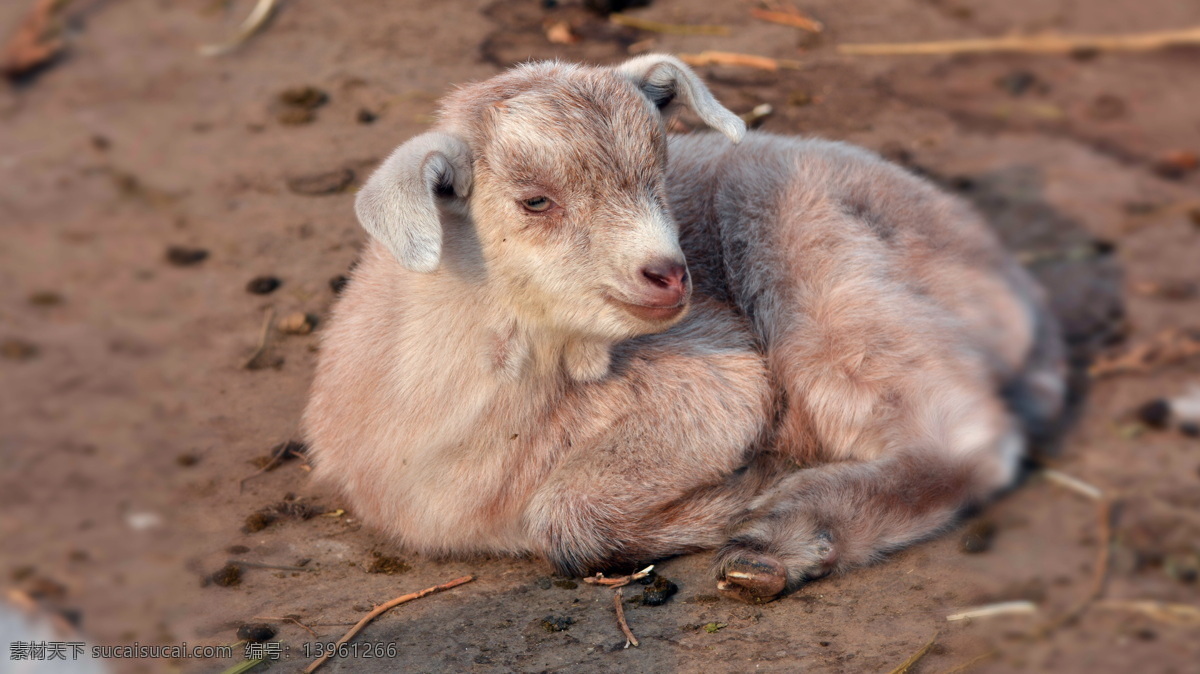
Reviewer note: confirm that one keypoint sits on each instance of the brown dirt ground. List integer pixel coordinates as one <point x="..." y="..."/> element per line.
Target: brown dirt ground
<point x="135" y="410"/>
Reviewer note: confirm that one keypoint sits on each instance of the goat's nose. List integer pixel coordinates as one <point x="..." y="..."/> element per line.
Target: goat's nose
<point x="667" y="281"/>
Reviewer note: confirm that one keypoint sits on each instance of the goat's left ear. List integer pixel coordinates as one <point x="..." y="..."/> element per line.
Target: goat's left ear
<point x="669" y="83"/>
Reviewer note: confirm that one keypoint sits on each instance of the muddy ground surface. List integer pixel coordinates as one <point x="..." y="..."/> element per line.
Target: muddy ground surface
<point x="128" y="422"/>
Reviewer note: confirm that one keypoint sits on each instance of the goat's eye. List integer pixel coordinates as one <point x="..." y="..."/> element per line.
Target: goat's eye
<point x="537" y="204"/>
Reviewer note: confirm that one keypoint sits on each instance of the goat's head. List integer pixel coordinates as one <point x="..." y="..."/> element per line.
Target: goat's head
<point x="556" y="174"/>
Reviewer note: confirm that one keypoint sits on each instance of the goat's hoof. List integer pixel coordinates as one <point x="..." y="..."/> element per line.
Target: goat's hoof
<point x="752" y="577"/>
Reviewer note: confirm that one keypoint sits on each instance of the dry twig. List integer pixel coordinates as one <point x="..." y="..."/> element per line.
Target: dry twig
<point x="1168" y="347"/>
<point x="264" y="338"/>
<point x="618" y="581"/>
<point x="915" y="657"/>
<point x="630" y="640"/>
<point x="791" y="18"/>
<point x="1104" y="509"/>
<point x="666" y="28"/>
<point x="959" y="669"/>
<point x="289" y="619"/>
<point x="253" y="23"/>
<point x="1037" y="44"/>
<point x="725" y="58"/>
<point x="35" y="43"/>
<point x="1003" y="608"/>
<point x="380" y="610"/>
<point x="1074" y="484"/>
<point x="260" y="565"/>
<point x="1175" y="614"/>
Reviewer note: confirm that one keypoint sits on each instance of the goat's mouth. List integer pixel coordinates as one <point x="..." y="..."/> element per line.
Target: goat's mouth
<point x="650" y="313"/>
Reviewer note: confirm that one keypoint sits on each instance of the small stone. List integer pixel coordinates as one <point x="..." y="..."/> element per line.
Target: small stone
<point x="1155" y="414"/>
<point x="978" y="537"/>
<point x="557" y="624"/>
<point x="365" y="116"/>
<point x="185" y="256"/>
<point x="263" y="285"/>
<point x="187" y="459"/>
<point x="298" y="323"/>
<point x="256" y="632"/>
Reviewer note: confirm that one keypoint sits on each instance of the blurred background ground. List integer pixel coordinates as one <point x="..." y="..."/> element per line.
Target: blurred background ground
<point x="128" y="422"/>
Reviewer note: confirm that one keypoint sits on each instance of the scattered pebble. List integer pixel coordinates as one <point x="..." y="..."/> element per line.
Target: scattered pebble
<point x="143" y="521"/>
<point x="187" y="459"/>
<point x="298" y="323"/>
<point x="256" y="632"/>
<point x="365" y="116"/>
<point x="1177" y="164"/>
<point x="18" y="349"/>
<point x="978" y="537"/>
<point x="229" y="575"/>
<point x="556" y="624"/>
<point x="1017" y="82"/>
<point x="338" y="283"/>
<point x="316" y="184"/>
<point x="263" y="285"/>
<point x="185" y="256"/>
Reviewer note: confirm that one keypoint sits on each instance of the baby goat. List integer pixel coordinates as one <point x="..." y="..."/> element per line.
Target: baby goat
<point x="557" y="342"/>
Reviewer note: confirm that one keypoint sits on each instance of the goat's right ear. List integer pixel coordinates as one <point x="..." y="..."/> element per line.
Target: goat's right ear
<point x="398" y="205"/>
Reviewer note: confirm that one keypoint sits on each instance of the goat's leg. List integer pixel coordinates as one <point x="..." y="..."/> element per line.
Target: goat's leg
<point x="840" y="515"/>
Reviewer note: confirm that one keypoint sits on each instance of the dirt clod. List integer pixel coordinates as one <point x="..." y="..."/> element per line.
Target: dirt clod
<point x="317" y="184"/>
<point x="977" y="537"/>
<point x="387" y="565"/>
<point x="186" y="256"/>
<point x="1155" y="414"/>
<point x="187" y="459"/>
<point x="263" y="285"/>
<point x="256" y="632"/>
<point x="18" y="349"/>
<point x="365" y="116"/>
<point x="565" y="583"/>
<point x="658" y="592"/>
<point x="45" y="298"/>
<point x="307" y="97"/>
<point x="557" y="624"/>
<point x="258" y="521"/>
<point x="229" y="575"/>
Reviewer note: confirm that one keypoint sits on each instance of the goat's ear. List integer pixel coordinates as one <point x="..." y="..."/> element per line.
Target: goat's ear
<point x="398" y="205"/>
<point x="669" y="83"/>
